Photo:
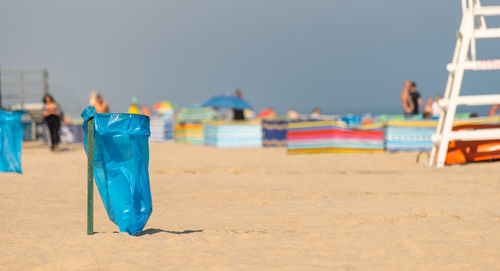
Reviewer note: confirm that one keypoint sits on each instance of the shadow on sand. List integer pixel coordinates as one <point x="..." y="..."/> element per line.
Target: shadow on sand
<point x="155" y="231"/>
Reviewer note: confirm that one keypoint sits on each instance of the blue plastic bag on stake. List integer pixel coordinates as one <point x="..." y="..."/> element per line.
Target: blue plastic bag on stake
<point x="121" y="158"/>
<point x="11" y="141"/>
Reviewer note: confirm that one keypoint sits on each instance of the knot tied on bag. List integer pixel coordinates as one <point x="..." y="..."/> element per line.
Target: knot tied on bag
<point x="88" y="113"/>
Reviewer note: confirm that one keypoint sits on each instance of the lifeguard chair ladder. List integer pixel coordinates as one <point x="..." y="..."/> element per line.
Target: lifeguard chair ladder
<point x="464" y="59"/>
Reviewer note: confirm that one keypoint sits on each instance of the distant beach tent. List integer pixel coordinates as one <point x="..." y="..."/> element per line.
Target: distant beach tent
<point x="227" y="101"/>
<point x="11" y="140"/>
<point x="188" y="126"/>
<point x="162" y="122"/>
<point x="332" y="136"/>
<point x="409" y="135"/>
<point x="274" y="133"/>
<point x="231" y="134"/>
<point x="416" y="135"/>
<point x="162" y="129"/>
<point x="196" y="114"/>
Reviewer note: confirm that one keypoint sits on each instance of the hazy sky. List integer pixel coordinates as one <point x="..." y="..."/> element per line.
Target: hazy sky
<point x="343" y="56"/>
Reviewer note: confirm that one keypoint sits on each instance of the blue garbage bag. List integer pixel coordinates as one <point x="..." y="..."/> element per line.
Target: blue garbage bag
<point x="11" y="141"/>
<point x="121" y="158"/>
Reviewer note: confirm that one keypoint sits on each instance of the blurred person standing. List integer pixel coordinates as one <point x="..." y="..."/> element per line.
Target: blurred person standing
<point x="93" y="98"/>
<point x="292" y="115"/>
<point x="416" y="99"/>
<point x="238" y="114"/>
<point x="133" y="108"/>
<point x="52" y="117"/>
<point x="98" y="103"/>
<point x="493" y="110"/>
<point x="428" y="106"/>
<point x="427" y="115"/>
<point x="406" y="101"/>
<point x="436" y="109"/>
<point x="145" y="111"/>
<point x="316" y="113"/>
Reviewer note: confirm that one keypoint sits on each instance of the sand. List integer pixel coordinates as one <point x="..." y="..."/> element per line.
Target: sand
<point x="257" y="209"/>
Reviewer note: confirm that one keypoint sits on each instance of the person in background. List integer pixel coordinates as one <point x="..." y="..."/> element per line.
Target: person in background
<point x="426" y="115"/>
<point x="316" y="113"/>
<point x="416" y="99"/>
<point x="436" y="109"/>
<point x="145" y="111"/>
<point x="293" y="115"/>
<point x="493" y="110"/>
<point x="406" y="100"/>
<point x="98" y="103"/>
<point x="428" y="107"/>
<point x="93" y="98"/>
<point x="52" y="117"/>
<point x="224" y="113"/>
<point x="238" y="114"/>
<point x="249" y="114"/>
<point x="133" y="108"/>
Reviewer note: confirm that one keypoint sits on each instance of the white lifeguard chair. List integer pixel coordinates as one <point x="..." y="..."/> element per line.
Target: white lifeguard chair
<point x="472" y="27"/>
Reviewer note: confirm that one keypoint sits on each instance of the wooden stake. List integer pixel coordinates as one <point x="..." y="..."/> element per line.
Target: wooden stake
<point x="90" y="176"/>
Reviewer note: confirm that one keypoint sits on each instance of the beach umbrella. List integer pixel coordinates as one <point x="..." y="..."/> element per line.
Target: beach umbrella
<point x="163" y="107"/>
<point x="267" y="113"/>
<point x="227" y="101"/>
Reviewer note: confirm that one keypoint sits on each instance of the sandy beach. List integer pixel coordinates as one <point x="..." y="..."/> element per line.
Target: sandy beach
<point x="257" y="209"/>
